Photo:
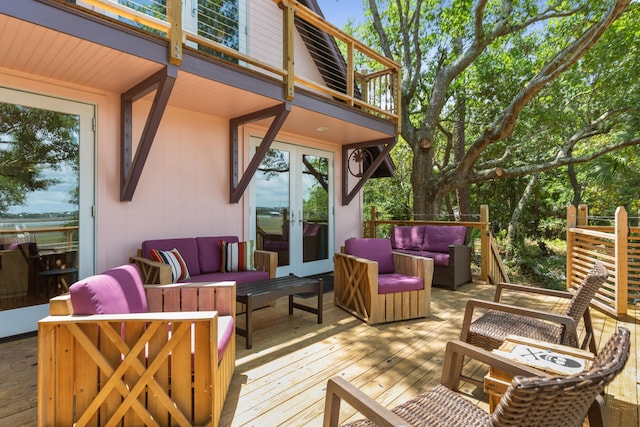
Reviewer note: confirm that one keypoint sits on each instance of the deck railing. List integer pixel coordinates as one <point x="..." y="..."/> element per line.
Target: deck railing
<point x="616" y="246"/>
<point x="491" y="268"/>
<point x="351" y="71"/>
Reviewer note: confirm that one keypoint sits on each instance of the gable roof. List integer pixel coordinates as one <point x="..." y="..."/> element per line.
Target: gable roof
<point x="332" y="67"/>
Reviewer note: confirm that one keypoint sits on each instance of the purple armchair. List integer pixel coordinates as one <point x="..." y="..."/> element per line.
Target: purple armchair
<point x="377" y="285"/>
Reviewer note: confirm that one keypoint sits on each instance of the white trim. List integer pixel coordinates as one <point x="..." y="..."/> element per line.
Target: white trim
<point x="15" y="321"/>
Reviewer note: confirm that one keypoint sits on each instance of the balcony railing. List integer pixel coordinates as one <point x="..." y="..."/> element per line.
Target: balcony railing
<point x="350" y="71"/>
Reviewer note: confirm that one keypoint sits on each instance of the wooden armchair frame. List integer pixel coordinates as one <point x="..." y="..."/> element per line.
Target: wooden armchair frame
<point x="156" y="368"/>
<point x="356" y="289"/>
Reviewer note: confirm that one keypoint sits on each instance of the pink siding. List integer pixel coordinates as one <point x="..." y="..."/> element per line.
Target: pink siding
<point x="183" y="190"/>
<point x="265" y="40"/>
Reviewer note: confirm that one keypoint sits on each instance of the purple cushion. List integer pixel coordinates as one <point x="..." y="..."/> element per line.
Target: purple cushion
<point x="116" y="291"/>
<point x="410" y="237"/>
<point x="378" y="250"/>
<point x="437" y="238"/>
<point x="186" y="246"/>
<point x="210" y="252"/>
<point x="394" y="282"/>
<point x="225" y="332"/>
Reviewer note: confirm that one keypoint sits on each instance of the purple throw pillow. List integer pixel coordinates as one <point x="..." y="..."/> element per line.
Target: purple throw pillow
<point x="409" y="237"/>
<point x="437" y="238"/>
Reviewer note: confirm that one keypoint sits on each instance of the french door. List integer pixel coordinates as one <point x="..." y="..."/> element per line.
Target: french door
<point x="46" y="203"/>
<point x="292" y="207"/>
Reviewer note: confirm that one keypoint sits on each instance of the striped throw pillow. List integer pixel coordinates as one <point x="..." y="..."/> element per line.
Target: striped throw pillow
<point x="179" y="269"/>
<point x="237" y="256"/>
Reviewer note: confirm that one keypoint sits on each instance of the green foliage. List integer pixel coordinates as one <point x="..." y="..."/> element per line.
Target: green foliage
<point x="541" y="263"/>
<point x="392" y="196"/>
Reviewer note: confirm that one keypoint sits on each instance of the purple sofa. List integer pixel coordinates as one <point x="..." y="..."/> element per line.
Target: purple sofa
<point x="203" y="258"/>
<point x="445" y="244"/>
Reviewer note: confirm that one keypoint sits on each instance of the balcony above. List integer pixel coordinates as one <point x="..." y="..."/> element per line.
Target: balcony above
<point x="110" y="48"/>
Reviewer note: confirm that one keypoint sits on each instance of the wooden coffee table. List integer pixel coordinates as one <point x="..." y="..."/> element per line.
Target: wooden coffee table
<point x="262" y="292"/>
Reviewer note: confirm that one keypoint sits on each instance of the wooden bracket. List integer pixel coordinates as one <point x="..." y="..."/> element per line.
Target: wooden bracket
<point x="387" y="143"/>
<point x="131" y="169"/>
<point x="280" y="113"/>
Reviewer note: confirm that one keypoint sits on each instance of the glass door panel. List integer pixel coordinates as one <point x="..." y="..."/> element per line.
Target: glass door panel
<point x="40" y="196"/>
<point x="315" y="208"/>
<point x="272" y="184"/>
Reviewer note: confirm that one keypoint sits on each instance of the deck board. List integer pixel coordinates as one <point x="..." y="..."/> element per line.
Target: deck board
<point x="281" y="381"/>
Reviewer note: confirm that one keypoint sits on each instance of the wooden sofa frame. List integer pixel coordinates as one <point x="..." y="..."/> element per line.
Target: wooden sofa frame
<point x="154" y="272"/>
<point x="137" y="368"/>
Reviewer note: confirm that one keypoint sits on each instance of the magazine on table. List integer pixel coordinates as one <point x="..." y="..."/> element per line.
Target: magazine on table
<point x="546" y="360"/>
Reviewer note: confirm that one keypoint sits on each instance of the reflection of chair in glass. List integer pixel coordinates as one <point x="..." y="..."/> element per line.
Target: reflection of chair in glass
<point x="14" y="273"/>
<point x="278" y="243"/>
<point x="60" y="271"/>
<point x="533" y="397"/>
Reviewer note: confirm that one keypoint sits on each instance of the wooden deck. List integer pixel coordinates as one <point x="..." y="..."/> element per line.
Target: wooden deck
<point x="281" y="380"/>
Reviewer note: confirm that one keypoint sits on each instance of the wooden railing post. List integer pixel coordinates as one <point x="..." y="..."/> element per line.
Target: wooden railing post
<point x="485" y="243"/>
<point x="571" y="223"/>
<point x="174" y="16"/>
<point x="288" y="34"/>
<point x="621" y="260"/>
<point x="373" y="223"/>
<point x="582" y="215"/>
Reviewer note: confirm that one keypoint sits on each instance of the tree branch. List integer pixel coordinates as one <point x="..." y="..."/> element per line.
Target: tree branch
<point x="558" y="161"/>
<point x="504" y="125"/>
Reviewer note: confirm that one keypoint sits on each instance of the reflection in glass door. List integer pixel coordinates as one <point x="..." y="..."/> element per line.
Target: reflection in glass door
<point x="40" y="197"/>
<point x="272" y="212"/>
<point x="292" y="196"/>
<point x="315" y="208"/>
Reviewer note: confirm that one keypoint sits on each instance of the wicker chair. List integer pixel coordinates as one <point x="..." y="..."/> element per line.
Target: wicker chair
<point x="538" y="400"/>
<point x="490" y="329"/>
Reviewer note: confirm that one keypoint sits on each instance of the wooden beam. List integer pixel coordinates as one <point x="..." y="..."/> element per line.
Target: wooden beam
<point x="388" y="144"/>
<point x="288" y="35"/>
<point x="237" y="185"/>
<point x="131" y="168"/>
<point x="174" y="16"/>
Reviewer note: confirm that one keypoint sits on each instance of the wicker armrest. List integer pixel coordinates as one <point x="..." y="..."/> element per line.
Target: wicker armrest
<point x="472" y="304"/>
<point x="529" y="289"/>
<point x="339" y="389"/>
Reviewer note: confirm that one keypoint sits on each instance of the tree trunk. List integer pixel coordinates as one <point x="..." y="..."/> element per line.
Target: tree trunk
<point x="577" y="188"/>
<point x="462" y="193"/>
<point x="512" y="230"/>
<point x="426" y="201"/>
